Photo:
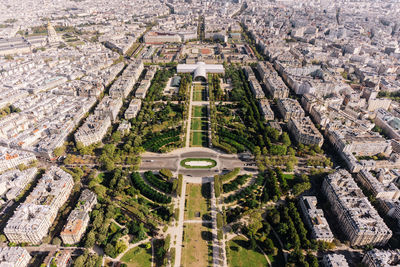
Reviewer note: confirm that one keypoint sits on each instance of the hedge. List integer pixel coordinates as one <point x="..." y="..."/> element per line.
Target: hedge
<point x="147" y="191"/>
<point x="161" y="185"/>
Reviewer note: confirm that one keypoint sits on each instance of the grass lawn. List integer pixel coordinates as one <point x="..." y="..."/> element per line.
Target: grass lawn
<point x="199" y="95"/>
<point x="196" y="200"/>
<point x="199" y="124"/>
<point x="199" y="139"/>
<point x="195" y="245"/>
<point x="288" y="176"/>
<point x="199" y="111"/>
<point x="240" y="256"/>
<point x="114" y="228"/>
<point x="137" y="257"/>
<point x="198" y="86"/>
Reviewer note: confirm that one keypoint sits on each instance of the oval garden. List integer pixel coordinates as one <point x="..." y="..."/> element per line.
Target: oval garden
<point x="198" y="163"/>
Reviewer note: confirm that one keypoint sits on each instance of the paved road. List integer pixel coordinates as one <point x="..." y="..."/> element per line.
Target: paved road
<point x="154" y="161"/>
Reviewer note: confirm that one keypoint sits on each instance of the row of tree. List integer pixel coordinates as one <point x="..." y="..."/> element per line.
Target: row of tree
<point x="154" y="144"/>
<point x="234" y="185"/>
<point x="184" y="85"/>
<point x="158" y="83"/>
<point x="160" y="184"/>
<point x="215" y="87"/>
<point x="229" y="175"/>
<point x="147" y="191"/>
<point x="236" y="140"/>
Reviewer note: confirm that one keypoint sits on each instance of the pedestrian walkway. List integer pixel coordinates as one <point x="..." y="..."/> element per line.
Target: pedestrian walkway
<point x="219" y="258"/>
<point x="179" y="228"/>
<point x="188" y="123"/>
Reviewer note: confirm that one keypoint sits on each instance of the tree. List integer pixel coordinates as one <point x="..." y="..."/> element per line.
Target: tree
<point x="120" y="246"/>
<point x="269" y="246"/>
<point x="116" y="136"/>
<point x="3" y="238"/>
<point x="80" y="261"/>
<point x="300" y="188"/>
<point x="108" y="164"/>
<point x="278" y="150"/>
<point x="110" y="250"/>
<point x="275" y="218"/>
<point x="56" y="241"/>
<point x="289" y="166"/>
<point x="59" y="151"/>
<point x="100" y="190"/>
<point x="255" y="222"/>
<point x="142" y="232"/>
<point x="109" y="150"/>
<point x="285" y="139"/>
<point x="253" y="243"/>
<point x="312" y="260"/>
<point x="291" y="151"/>
<point x="166" y="173"/>
<point x="90" y="239"/>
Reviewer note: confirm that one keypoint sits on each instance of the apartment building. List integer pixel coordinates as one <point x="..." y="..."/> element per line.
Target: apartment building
<point x="78" y="219"/>
<point x="75" y="227"/>
<point x="13" y="182"/>
<point x="133" y="109"/>
<point x="389" y="123"/>
<point x="161" y="37"/>
<point x="14" y="257"/>
<point x="248" y="72"/>
<point x="93" y="130"/>
<point x="357" y="141"/>
<point x="33" y="218"/>
<point x="96" y="125"/>
<point x="265" y="69"/>
<point x="109" y="107"/>
<point x="381" y="258"/>
<point x="359" y="221"/>
<point x="141" y="91"/>
<point x="290" y="108"/>
<point x="315" y="219"/>
<point x="304" y="131"/>
<point x="276" y="87"/>
<point x="124" y="127"/>
<point x="378" y="185"/>
<point x="62" y="258"/>
<point x="266" y="109"/>
<point x="334" y="260"/>
<point x="124" y="84"/>
<point x="11" y="158"/>
<point x="256" y="88"/>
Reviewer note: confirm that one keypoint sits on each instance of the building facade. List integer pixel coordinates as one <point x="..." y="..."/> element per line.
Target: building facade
<point x="33" y="218"/>
<point x="304" y="131"/>
<point x="359" y="221"/>
<point x="290" y="108"/>
<point x="315" y="219"/>
<point x="14" y="257"/>
<point x="78" y="219"/>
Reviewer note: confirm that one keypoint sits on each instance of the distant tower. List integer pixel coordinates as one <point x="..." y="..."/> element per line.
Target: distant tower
<point x="52" y="37"/>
